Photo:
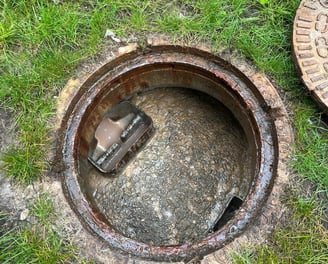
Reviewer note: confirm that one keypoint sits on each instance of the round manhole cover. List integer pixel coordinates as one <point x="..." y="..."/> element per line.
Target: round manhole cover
<point x="310" y="45"/>
<point x="200" y="178"/>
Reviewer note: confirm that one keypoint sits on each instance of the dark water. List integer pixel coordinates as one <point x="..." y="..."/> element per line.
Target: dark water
<point x="174" y="189"/>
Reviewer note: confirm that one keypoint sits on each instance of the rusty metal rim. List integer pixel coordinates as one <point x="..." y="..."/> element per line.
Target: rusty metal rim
<point x="253" y="105"/>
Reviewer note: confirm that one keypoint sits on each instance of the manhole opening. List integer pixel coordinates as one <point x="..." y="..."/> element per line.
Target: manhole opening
<point x="198" y="181"/>
<point x="177" y="187"/>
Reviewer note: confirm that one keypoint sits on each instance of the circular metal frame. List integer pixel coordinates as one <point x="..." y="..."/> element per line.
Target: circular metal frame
<point x="163" y="66"/>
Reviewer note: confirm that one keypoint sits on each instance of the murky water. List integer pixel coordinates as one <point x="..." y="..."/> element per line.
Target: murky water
<point x="174" y="189"/>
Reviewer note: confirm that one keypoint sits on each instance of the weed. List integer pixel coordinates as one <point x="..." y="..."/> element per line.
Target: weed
<point x="45" y="49"/>
<point x="43" y="208"/>
<point x="35" y="246"/>
<point x="36" y="243"/>
<point x="311" y="158"/>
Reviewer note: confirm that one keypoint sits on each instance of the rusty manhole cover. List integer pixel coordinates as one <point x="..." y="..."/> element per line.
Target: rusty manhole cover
<point x="310" y="45"/>
<point x="199" y="180"/>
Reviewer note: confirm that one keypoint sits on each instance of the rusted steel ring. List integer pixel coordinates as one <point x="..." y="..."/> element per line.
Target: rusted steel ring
<point x="164" y="66"/>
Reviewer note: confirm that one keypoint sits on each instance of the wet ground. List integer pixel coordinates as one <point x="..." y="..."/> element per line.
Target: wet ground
<point x="178" y="185"/>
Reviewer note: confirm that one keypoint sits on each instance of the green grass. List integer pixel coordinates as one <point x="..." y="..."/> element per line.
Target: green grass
<point x="34" y="246"/>
<point x="311" y="158"/>
<point x="42" y="43"/>
<point x="39" y="243"/>
<point x="43" y="209"/>
<point x="303" y="240"/>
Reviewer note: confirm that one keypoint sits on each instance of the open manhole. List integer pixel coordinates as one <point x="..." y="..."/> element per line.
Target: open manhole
<point x="168" y="153"/>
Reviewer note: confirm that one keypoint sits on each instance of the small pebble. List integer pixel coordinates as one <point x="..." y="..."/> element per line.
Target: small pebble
<point x="24" y="214"/>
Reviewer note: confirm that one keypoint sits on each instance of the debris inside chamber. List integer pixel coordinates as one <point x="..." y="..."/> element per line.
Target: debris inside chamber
<point x="184" y="179"/>
<point x="123" y="130"/>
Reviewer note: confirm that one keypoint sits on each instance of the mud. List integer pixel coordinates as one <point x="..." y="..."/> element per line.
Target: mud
<point x="180" y="183"/>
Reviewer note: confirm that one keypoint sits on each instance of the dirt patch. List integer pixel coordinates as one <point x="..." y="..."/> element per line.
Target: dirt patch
<point x="7" y="196"/>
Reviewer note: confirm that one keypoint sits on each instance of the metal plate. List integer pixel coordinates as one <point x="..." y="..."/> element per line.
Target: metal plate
<point x="122" y="132"/>
<point x="310" y="47"/>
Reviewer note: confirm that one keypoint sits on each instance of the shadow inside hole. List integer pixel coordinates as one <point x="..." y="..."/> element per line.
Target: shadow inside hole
<point x="228" y="214"/>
